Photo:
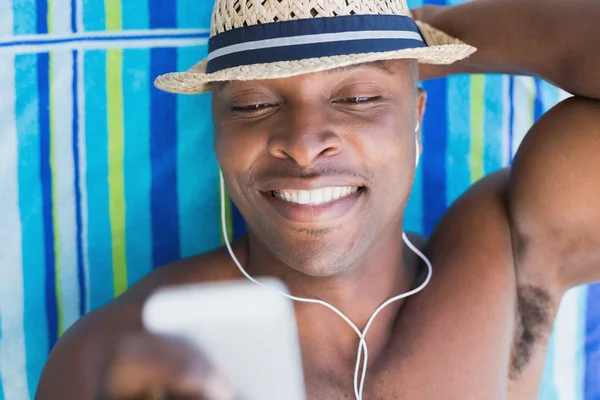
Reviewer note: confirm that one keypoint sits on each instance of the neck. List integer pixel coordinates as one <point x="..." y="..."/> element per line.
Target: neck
<point x="379" y="275"/>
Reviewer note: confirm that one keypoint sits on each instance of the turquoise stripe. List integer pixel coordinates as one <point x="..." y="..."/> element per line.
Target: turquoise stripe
<point x="135" y="14"/>
<point x="458" y="175"/>
<point x="194" y="15"/>
<point x="580" y="357"/>
<point x="25" y="17"/>
<point x="548" y="389"/>
<point x="99" y="230"/>
<point x="94" y="15"/>
<point x="136" y="97"/>
<point x="494" y="113"/>
<point x="197" y="177"/>
<point x="415" y="3"/>
<point x="30" y="204"/>
<point x="550" y="95"/>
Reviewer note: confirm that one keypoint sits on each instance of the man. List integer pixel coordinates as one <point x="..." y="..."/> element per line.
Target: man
<point x="503" y="255"/>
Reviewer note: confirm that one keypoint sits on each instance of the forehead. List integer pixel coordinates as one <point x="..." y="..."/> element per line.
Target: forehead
<point x="400" y="70"/>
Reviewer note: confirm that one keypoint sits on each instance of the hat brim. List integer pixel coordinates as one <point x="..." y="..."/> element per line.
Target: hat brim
<point x="442" y="49"/>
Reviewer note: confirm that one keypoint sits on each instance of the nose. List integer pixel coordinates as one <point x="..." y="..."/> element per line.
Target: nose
<point x="304" y="137"/>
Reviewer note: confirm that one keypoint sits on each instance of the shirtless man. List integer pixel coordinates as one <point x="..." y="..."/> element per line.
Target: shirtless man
<point x="503" y="255"/>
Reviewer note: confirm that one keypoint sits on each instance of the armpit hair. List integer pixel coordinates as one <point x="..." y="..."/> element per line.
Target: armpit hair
<point x="534" y="323"/>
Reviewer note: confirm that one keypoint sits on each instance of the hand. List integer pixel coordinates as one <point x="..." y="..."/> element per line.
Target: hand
<point x="155" y="368"/>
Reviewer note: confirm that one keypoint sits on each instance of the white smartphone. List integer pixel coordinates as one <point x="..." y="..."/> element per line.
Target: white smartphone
<point x="248" y="332"/>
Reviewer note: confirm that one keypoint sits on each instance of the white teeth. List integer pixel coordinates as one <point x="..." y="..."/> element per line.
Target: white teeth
<point x="303" y="197"/>
<point x="336" y="193"/>
<point x="315" y="197"/>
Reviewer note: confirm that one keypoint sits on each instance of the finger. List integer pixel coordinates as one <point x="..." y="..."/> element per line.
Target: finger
<point x="145" y="365"/>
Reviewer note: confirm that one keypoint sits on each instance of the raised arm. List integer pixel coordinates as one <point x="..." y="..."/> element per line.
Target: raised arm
<point x="556" y="40"/>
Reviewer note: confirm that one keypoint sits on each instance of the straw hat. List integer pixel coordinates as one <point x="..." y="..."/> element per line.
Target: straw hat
<point x="266" y="39"/>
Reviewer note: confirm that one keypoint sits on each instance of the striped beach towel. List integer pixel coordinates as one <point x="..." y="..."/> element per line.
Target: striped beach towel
<point x="103" y="178"/>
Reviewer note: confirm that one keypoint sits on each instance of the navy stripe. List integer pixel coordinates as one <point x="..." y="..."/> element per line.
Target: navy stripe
<point x="315" y="50"/>
<point x="538" y="105"/>
<point x="22" y="42"/>
<point x="592" y="345"/>
<point x="42" y="16"/>
<point x="511" y="117"/>
<point x="239" y="225"/>
<point x="76" y="184"/>
<point x="163" y="144"/>
<point x="434" y="154"/>
<point x="313" y="26"/>
<point x="46" y="178"/>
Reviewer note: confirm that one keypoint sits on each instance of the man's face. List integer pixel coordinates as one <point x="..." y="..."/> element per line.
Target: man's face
<point x="321" y="165"/>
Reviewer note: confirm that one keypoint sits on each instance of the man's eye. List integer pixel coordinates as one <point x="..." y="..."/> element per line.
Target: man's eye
<point x="253" y="108"/>
<point x="360" y="100"/>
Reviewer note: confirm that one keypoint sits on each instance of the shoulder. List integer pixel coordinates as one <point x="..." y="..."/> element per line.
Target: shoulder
<point x="86" y="346"/>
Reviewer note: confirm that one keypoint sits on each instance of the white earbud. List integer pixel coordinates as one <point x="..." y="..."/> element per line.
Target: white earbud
<point x="417" y="147"/>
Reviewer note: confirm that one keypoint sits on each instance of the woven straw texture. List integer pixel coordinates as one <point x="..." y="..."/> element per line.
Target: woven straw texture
<point x="234" y="14"/>
<point x="231" y="14"/>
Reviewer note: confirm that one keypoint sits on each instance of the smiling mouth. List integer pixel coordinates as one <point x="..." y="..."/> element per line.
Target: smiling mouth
<point x="315" y="197"/>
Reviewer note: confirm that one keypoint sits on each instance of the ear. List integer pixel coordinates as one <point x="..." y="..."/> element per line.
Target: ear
<point x="421" y="105"/>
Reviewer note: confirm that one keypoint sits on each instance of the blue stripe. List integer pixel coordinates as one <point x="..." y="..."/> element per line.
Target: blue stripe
<point x="457" y="168"/>
<point x="592" y="345"/>
<point x="46" y="178"/>
<point x="24" y="17"/>
<point x="434" y="154"/>
<point x="314" y="50"/>
<point x="42" y="16"/>
<point x="538" y="105"/>
<point x="94" y="15"/>
<point x="163" y="144"/>
<point x="74" y="15"/>
<point x="138" y="179"/>
<point x="239" y="225"/>
<point x="78" y="222"/>
<point x="32" y="218"/>
<point x="494" y="113"/>
<point x="96" y="144"/>
<point x="511" y="118"/>
<point x="107" y="38"/>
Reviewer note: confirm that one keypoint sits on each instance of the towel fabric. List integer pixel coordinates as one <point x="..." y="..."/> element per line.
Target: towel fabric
<point x="103" y="178"/>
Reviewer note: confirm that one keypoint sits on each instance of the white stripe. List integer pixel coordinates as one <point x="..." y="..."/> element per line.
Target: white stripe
<point x="523" y="112"/>
<point x="79" y="16"/>
<point x="569" y="340"/>
<point x="13" y="370"/>
<point x="82" y="174"/>
<point x="506" y="156"/>
<point x="154" y="33"/>
<point x="312" y="39"/>
<point x="102" y="45"/>
<point x="62" y="136"/>
<point x="6" y="19"/>
<point x="60" y="16"/>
